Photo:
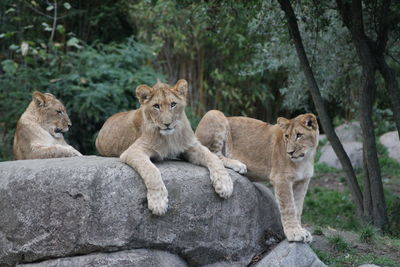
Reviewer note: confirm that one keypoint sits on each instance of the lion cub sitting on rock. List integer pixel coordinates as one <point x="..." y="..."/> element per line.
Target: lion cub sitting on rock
<point x="40" y="130"/>
<point x="284" y="153"/>
<point x="157" y="130"/>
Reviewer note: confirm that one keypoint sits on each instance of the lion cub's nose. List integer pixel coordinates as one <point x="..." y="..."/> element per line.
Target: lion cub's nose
<point x="167" y="124"/>
<point x="69" y="125"/>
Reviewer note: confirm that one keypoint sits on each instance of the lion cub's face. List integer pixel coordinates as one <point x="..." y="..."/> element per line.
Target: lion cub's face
<point x="300" y="136"/>
<point x="51" y="114"/>
<point x="163" y="104"/>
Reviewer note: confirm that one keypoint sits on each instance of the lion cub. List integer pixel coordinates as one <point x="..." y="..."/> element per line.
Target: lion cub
<point x="157" y="130"/>
<point x="284" y="153"/>
<point x="40" y="130"/>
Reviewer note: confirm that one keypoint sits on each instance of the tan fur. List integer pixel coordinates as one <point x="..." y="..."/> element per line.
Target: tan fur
<point x="268" y="151"/>
<point x="157" y="130"/>
<point x="40" y="129"/>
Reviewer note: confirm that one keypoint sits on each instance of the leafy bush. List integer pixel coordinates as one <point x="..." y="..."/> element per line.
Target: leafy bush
<point x="93" y="83"/>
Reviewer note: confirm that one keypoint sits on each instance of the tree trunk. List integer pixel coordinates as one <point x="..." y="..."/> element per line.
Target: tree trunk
<point x="373" y="189"/>
<point x="392" y="88"/>
<point x="368" y="54"/>
<point x="319" y="105"/>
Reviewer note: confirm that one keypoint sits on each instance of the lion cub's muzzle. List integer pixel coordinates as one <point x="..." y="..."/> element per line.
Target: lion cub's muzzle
<point x="59" y="132"/>
<point x="296" y="155"/>
<point x="169" y="128"/>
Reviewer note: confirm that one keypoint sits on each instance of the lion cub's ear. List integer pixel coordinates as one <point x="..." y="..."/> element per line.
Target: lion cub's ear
<point x="282" y="122"/>
<point x="309" y="120"/>
<point x="50" y="95"/>
<point x="181" y="88"/>
<point x="39" y="99"/>
<point x="143" y="93"/>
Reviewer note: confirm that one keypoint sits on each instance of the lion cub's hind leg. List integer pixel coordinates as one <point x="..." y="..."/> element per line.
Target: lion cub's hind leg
<point x="213" y="132"/>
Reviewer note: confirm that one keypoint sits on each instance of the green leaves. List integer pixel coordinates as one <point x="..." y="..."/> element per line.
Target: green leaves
<point x="73" y="41"/>
<point x="9" y="66"/>
<point x="67" y="5"/>
<point x="93" y="83"/>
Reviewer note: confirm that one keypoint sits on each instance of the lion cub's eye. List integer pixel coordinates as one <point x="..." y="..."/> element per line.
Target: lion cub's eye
<point x="59" y="112"/>
<point x="298" y="135"/>
<point x="173" y="104"/>
<point x="286" y="136"/>
<point x="156" y="106"/>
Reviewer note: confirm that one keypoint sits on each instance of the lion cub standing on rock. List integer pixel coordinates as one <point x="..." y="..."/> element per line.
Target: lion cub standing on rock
<point x="40" y="130"/>
<point x="159" y="129"/>
<point x="284" y="153"/>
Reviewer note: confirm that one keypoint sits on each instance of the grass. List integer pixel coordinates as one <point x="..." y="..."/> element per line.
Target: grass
<point x="338" y="243"/>
<point x="322" y="168"/>
<point x="368" y="234"/>
<point x="353" y="259"/>
<point x="326" y="207"/>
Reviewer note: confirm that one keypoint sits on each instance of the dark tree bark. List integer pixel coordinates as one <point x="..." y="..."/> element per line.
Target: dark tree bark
<point x="319" y="105"/>
<point x="368" y="53"/>
<point x="392" y="88"/>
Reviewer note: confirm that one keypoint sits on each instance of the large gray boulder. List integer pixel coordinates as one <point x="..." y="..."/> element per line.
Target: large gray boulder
<point x="391" y="141"/>
<point x="291" y="255"/>
<point x="128" y="258"/>
<point x="65" y="207"/>
<point x="353" y="149"/>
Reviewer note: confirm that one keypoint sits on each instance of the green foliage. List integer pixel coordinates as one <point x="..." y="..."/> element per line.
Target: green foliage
<point x="323" y="168"/>
<point x="209" y="41"/>
<point x="338" y="243"/>
<point x="393" y="210"/>
<point x="325" y="207"/>
<point x="384" y="120"/>
<point x="93" y="83"/>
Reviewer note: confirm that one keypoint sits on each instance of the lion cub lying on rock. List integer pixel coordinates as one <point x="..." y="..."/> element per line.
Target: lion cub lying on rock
<point x="159" y="129"/>
<point x="284" y="153"/>
<point x="40" y="130"/>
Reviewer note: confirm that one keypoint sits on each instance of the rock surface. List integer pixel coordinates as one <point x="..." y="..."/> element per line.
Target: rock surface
<point x="391" y="141"/>
<point x="353" y="149"/>
<point x="65" y="207"/>
<point x="291" y="255"/>
<point x="349" y="132"/>
<point x="131" y="258"/>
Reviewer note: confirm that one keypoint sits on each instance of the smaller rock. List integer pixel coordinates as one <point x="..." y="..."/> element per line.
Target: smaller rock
<point x="292" y="254"/>
<point x="392" y="143"/>
<point x="353" y="149"/>
<point x="132" y="258"/>
<point x="349" y="132"/>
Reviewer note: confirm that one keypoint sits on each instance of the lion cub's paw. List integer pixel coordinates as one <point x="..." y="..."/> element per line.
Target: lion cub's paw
<point x="298" y="235"/>
<point x="239" y="167"/>
<point x="223" y="185"/>
<point x="157" y="201"/>
<point x="75" y="153"/>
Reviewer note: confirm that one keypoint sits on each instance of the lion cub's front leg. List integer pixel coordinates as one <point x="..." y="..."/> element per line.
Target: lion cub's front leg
<point x="157" y="194"/>
<point x="289" y="211"/>
<point x="220" y="178"/>
<point x="55" y="151"/>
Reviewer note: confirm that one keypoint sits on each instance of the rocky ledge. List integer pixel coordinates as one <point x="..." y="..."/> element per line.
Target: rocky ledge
<point x="93" y="210"/>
